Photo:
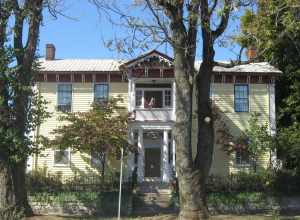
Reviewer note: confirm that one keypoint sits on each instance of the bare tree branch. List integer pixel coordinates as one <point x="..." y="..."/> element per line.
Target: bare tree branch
<point x="224" y="19"/>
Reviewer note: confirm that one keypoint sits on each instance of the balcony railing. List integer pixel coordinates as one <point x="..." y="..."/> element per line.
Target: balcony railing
<point x="154" y="114"/>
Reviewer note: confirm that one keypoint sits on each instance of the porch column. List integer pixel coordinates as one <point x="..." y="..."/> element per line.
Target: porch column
<point x="141" y="156"/>
<point x="165" y="158"/>
<point x="131" y="94"/>
<point x="130" y="160"/>
<point x="174" y="99"/>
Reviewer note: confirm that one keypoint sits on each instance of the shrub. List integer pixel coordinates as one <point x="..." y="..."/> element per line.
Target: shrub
<point x="40" y="180"/>
<point x="287" y="182"/>
<point x="11" y="213"/>
<point x="241" y="182"/>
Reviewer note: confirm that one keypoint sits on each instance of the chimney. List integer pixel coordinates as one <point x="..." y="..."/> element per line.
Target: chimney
<point x="251" y="53"/>
<point x="50" y="52"/>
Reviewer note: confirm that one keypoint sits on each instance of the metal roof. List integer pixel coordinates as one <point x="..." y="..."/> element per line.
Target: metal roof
<point x="99" y="65"/>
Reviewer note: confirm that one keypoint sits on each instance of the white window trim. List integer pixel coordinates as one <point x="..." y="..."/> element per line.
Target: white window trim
<point x="241" y="165"/>
<point x="249" y="97"/>
<point x="61" y="164"/>
<point x="72" y="94"/>
<point x="101" y="83"/>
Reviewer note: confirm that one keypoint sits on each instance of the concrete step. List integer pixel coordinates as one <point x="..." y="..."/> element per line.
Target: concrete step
<point x="152" y="198"/>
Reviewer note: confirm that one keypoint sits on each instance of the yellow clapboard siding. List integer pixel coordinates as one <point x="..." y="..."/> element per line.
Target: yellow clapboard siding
<point x="82" y="98"/>
<point x="223" y="95"/>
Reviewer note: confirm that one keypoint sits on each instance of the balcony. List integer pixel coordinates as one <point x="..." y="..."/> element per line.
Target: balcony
<point x="152" y="101"/>
<point x="154" y="115"/>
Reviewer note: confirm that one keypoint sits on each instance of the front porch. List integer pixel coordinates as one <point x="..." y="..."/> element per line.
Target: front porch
<point x="154" y="160"/>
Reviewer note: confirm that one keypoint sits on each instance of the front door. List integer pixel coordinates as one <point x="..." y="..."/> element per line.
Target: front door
<point x="152" y="162"/>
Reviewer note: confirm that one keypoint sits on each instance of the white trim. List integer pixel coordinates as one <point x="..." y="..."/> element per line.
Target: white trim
<point x="72" y="94"/>
<point x="165" y="169"/>
<point x="141" y="157"/>
<point x="272" y="108"/>
<point x="100" y="83"/>
<point x="153" y="89"/>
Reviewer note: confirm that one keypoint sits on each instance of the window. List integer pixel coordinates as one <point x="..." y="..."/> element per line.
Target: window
<point x="153" y="99"/>
<point x="101" y="93"/>
<point x="62" y="157"/>
<point x="241" y="98"/>
<point x="97" y="159"/>
<point x="242" y="157"/>
<point x="138" y="98"/>
<point x="64" y="97"/>
<point x="168" y="98"/>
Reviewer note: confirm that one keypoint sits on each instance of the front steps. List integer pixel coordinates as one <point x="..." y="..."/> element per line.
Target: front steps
<point x="152" y="198"/>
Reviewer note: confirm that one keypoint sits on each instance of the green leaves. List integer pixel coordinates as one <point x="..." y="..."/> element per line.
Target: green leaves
<point x="102" y="129"/>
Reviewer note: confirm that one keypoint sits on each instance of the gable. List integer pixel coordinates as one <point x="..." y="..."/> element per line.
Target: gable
<point x="153" y="58"/>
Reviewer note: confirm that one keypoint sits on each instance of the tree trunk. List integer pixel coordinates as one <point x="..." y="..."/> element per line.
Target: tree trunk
<point x="191" y="207"/>
<point x="205" y="142"/>
<point x="19" y="177"/>
<point x="7" y="196"/>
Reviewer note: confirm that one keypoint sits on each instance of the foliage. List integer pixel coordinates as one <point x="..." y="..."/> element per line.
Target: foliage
<point x="11" y="214"/>
<point x="242" y="182"/>
<point x="275" y="31"/>
<point x="255" y="141"/>
<point x="102" y="203"/>
<point x="102" y="130"/>
<point x="286" y="182"/>
<point x="43" y="181"/>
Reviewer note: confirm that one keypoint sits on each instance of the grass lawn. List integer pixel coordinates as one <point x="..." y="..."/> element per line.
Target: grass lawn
<point x="170" y="217"/>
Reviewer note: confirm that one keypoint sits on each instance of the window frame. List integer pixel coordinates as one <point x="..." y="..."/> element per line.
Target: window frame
<point x="162" y="90"/>
<point x="164" y="98"/>
<point x="95" y="162"/>
<point x="62" y="164"/>
<point x="57" y="97"/>
<point x="94" y="90"/>
<point x="241" y="162"/>
<point x="235" y="98"/>
<point x="142" y="99"/>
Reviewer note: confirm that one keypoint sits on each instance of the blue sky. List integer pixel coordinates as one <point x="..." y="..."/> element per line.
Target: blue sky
<point x="83" y="36"/>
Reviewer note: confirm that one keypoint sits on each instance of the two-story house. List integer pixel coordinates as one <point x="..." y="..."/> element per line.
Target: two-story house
<point x="147" y="87"/>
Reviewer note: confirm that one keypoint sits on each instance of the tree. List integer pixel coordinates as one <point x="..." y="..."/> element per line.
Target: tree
<point x="101" y="130"/>
<point x="179" y="22"/>
<point x="21" y="108"/>
<point x="274" y="30"/>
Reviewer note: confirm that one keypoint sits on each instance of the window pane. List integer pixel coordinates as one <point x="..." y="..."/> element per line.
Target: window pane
<point x="168" y="98"/>
<point x="153" y="99"/>
<point x="61" y="157"/>
<point x="101" y="92"/>
<point x="242" y="157"/>
<point x="64" y="97"/>
<point x="97" y="159"/>
<point x="138" y="98"/>
<point x="241" y="98"/>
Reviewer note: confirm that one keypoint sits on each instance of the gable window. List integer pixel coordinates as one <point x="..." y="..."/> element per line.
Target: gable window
<point x="242" y="157"/>
<point x="101" y="93"/>
<point x="241" y="98"/>
<point x="64" y="97"/>
<point x="62" y="157"/>
<point x="168" y="98"/>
